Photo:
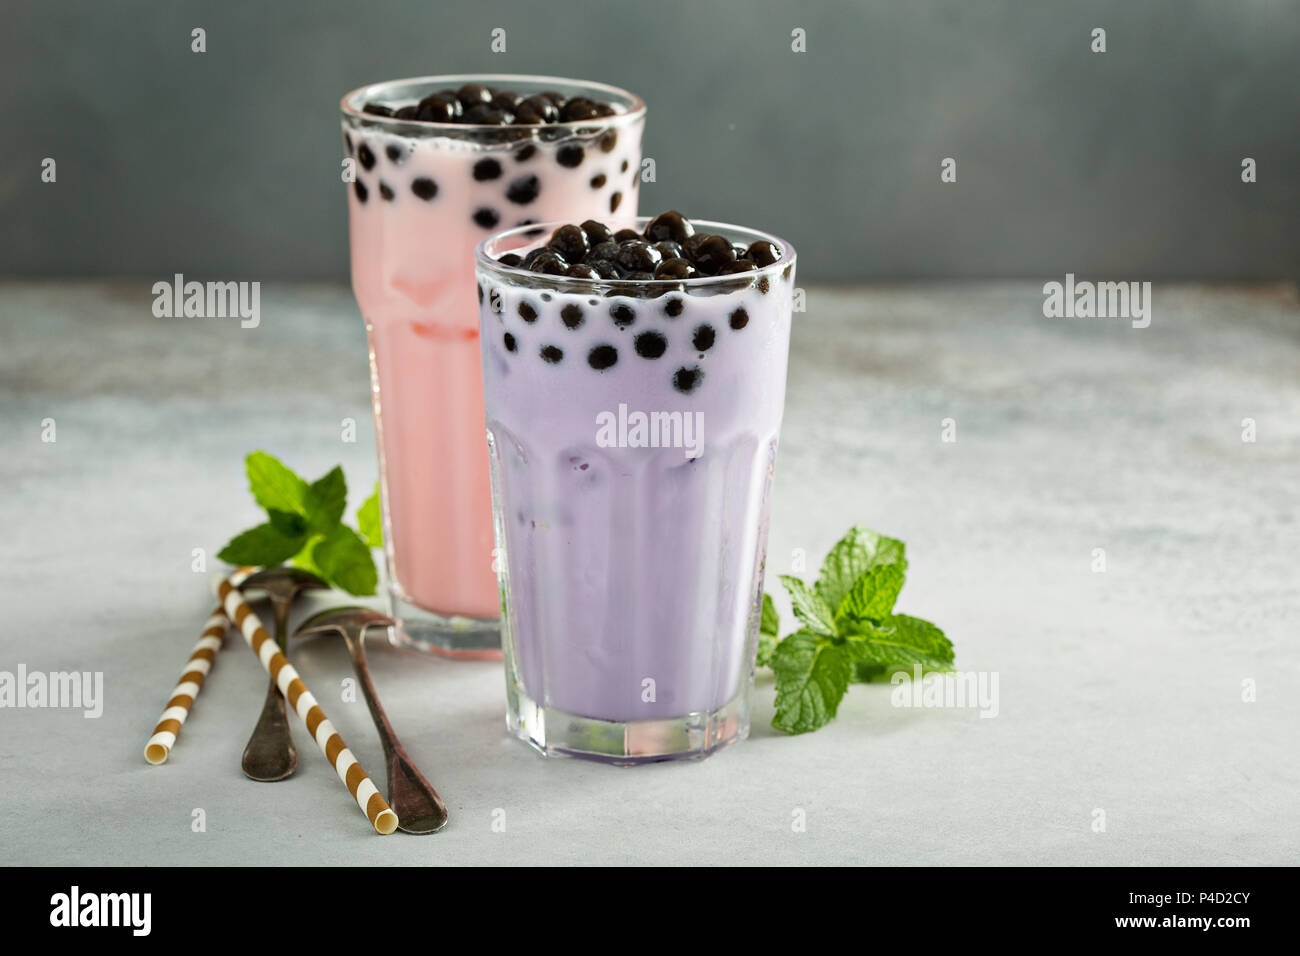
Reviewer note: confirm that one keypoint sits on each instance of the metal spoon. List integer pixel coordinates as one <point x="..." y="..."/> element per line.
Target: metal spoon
<point x="418" y="807"/>
<point x="270" y="754"/>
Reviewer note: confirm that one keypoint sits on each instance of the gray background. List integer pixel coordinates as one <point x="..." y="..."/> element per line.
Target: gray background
<point x="1125" y="164"/>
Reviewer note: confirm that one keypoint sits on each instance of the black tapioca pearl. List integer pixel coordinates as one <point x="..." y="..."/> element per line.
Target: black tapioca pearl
<point x="673" y="307"/>
<point x="367" y="157"/>
<point x="484" y="115"/>
<point x="524" y="190"/>
<point x="386" y="191"/>
<point x="614" y="200"/>
<point x="551" y="354"/>
<point x="536" y="254"/>
<point x="622" y="314"/>
<point x="377" y="109"/>
<point x="486" y="217"/>
<point x="671" y="225"/>
<point x="605" y="269"/>
<point x="674" y="269"/>
<point x="763" y="285"/>
<point x="650" y="345"/>
<point x="669" y="249"/>
<point x="763" y="252"/>
<point x="554" y="96"/>
<point x="691" y="245"/>
<point x="525" y="153"/>
<point x="362" y="193"/>
<point x="597" y="232"/>
<point x="527" y="312"/>
<point x="623" y="168"/>
<point x="602" y="357"/>
<point x="548" y="264"/>
<point x="487" y="169"/>
<point x="604" y="109"/>
<point x="581" y="270"/>
<point x="571" y="315"/>
<point x="510" y="259"/>
<point x="347" y="143"/>
<point x="505" y="100"/>
<point x="407" y="113"/>
<point x="687" y="379"/>
<point x="540" y="106"/>
<point x="570" y="156"/>
<point x="438" y="109"/>
<point x="638" y="256"/>
<point x="425" y="188"/>
<point x="570" y="242"/>
<point x="713" y="253"/>
<point x="703" y="338"/>
<point x="578" y="108"/>
<point x="473" y="94"/>
<point x="394" y="153"/>
<point x="598" y="181"/>
<point x="739" y="319"/>
<point x="528" y="118"/>
<point x="626" y="235"/>
<point x="737" y="267"/>
<point x="608" y="141"/>
<point x="510" y="343"/>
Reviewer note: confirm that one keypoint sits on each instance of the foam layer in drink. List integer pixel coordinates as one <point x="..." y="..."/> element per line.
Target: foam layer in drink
<point x="417" y="208"/>
<point x="633" y="574"/>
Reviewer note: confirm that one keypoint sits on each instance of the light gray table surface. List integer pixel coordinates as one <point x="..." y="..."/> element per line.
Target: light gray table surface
<point x="1120" y="692"/>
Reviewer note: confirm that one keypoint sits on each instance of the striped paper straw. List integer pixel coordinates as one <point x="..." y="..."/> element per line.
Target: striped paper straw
<point x="159" y="747"/>
<point x="367" y="795"/>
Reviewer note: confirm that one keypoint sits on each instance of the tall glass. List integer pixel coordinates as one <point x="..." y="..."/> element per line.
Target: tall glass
<point x="424" y="195"/>
<point x="633" y="430"/>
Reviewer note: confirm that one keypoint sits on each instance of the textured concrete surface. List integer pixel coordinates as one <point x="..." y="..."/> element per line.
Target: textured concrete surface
<point x="1119" y="692"/>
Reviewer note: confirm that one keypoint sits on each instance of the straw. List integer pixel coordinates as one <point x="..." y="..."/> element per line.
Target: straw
<point x="367" y="795"/>
<point x="159" y="747"/>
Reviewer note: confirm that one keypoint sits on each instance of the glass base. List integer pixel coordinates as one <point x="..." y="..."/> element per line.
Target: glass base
<point x="553" y="732"/>
<point x="460" y="637"/>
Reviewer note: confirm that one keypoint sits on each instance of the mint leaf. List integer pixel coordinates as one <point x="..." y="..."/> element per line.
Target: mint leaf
<point x="902" y="641"/>
<point x="344" y="558"/>
<point x="369" y="520"/>
<point x="808" y="607"/>
<point x="264" y="545"/>
<point x="854" y="555"/>
<point x="812" y="676"/>
<point x="274" y="486"/>
<point x="288" y="524"/>
<point x="303" y="559"/>
<point x="768" y="628"/>
<point x="872" y="597"/>
<point x="325" y="500"/>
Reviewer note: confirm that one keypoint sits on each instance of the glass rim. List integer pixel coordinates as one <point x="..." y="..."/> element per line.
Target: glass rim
<point x="632" y="114"/>
<point x="482" y="258"/>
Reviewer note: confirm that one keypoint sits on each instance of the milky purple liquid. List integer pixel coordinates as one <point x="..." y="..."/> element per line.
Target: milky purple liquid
<point x="629" y="565"/>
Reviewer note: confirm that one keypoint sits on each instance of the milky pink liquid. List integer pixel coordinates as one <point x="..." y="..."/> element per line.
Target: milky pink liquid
<point x="413" y="276"/>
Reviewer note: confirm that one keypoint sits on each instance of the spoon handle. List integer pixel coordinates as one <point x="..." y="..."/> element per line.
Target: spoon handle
<point x="270" y="753"/>
<point x="418" y="807"/>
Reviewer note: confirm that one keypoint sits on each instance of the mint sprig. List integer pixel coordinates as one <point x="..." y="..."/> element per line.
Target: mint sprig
<point x="850" y="632"/>
<point x="305" y="525"/>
